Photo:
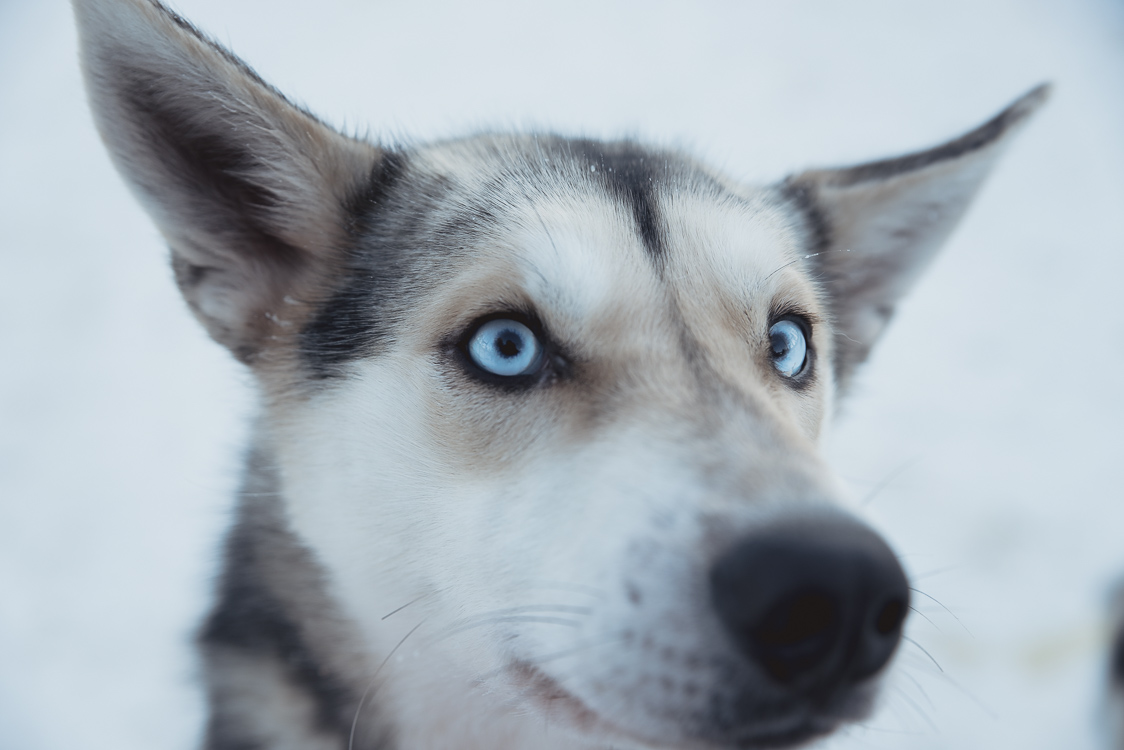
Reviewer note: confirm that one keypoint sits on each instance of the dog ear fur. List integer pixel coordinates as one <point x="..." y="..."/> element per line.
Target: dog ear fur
<point x="875" y="227"/>
<point x="251" y="191"/>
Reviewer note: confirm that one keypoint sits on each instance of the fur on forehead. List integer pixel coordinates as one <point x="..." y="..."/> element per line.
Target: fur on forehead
<point x="568" y="253"/>
<point x="751" y="249"/>
<point x="555" y="235"/>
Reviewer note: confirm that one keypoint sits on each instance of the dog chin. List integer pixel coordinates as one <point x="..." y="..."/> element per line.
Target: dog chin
<point x="544" y="694"/>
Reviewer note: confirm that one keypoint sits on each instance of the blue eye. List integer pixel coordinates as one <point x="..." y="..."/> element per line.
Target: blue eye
<point x="505" y="347"/>
<point x="789" y="348"/>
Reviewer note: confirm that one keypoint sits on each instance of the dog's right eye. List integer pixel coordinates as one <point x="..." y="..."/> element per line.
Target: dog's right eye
<point x="506" y="348"/>
<point x="789" y="347"/>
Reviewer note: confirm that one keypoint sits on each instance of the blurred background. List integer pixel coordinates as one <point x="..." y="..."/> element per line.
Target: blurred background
<point x="984" y="435"/>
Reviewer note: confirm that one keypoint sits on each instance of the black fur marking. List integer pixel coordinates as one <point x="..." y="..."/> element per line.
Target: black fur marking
<point x="818" y="228"/>
<point x="385" y="174"/>
<point x="249" y="618"/>
<point x="346" y="326"/>
<point x="631" y="173"/>
<point x="272" y="606"/>
<point x="407" y="228"/>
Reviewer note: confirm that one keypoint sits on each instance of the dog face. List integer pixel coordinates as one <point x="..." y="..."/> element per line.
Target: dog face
<point x="653" y="429"/>
<point x="559" y="399"/>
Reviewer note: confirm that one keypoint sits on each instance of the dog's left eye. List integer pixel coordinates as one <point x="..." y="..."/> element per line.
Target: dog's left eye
<point x="506" y="348"/>
<point x="789" y="347"/>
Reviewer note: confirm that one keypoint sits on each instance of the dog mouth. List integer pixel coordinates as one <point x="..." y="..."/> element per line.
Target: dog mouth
<point x="547" y="694"/>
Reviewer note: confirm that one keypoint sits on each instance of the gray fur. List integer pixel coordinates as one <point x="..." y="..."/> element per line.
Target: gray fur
<point x="275" y="644"/>
<point x="878" y="225"/>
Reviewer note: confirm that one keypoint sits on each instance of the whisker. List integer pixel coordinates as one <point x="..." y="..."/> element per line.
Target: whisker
<point x="508" y="618"/>
<point x="577" y="588"/>
<point x="988" y="710"/>
<point x="937" y="572"/>
<point x="371" y="684"/>
<point x="894" y="474"/>
<point x="847" y="731"/>
<point x="922" y="649"/>
<point x="917" y="684"/>
<point x="407" y="604"/>
<point x="919" y="614"/>
<point x="568" y="609"/>
<point x="916" y="708"/>
<point x="781" y="268"/>
<point x="554" y="656"/>
<point x="804" y="257"/>
<point x="946" y="609"/>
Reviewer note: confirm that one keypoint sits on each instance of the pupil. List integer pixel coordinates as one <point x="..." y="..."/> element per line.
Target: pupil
<point x="780" y="344"/>
<point x="507" y="344"/>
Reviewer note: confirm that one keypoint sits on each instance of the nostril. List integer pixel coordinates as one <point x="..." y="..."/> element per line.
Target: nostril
<point x="797" y="620"/>
<point x="890" y="617"/>
<point x="796" y="634"/>
<point x="879" y="637"/>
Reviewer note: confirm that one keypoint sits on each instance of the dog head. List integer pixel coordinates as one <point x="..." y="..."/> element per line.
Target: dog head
<point x="563" y="395"/>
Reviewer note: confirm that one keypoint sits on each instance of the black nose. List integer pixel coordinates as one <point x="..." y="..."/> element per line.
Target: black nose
<point x="817" y="603"/>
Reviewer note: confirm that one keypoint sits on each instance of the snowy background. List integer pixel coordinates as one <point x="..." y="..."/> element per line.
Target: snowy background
<point x="987" y="427"/>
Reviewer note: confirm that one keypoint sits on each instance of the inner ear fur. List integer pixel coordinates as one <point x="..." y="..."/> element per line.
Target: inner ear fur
<point x="252" y="192"/>
<point x="874" y="227"/>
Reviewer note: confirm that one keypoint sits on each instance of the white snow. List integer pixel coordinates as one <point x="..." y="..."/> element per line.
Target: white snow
<point x="987" y="427"/>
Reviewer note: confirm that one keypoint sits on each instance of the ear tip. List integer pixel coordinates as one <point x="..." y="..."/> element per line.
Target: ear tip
<point x="1042" y="91"/>
<point x="1029" y="103"/>
<point x="95" y="9"/>
<point x="108" y="23"/>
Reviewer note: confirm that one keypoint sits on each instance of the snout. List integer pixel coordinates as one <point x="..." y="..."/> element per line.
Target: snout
<point x="816" y="604"/>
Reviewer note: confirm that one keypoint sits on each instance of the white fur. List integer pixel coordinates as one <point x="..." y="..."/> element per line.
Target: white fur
<point x="566" y="526"/>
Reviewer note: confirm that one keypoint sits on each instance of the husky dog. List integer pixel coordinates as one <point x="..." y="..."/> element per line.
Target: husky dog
<point x="536" y="463"/>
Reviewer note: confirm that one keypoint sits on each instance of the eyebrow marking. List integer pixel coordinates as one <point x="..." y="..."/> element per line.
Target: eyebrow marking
<point x="630" y="173"/>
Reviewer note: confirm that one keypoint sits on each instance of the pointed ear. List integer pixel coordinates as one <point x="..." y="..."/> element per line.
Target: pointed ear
<point x="252" y="192"/>
<point x="874" y="227"/>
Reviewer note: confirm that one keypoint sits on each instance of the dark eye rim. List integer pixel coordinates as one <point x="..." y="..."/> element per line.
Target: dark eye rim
<point x="802" y="378"/>
<point x="550" y="364"/>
